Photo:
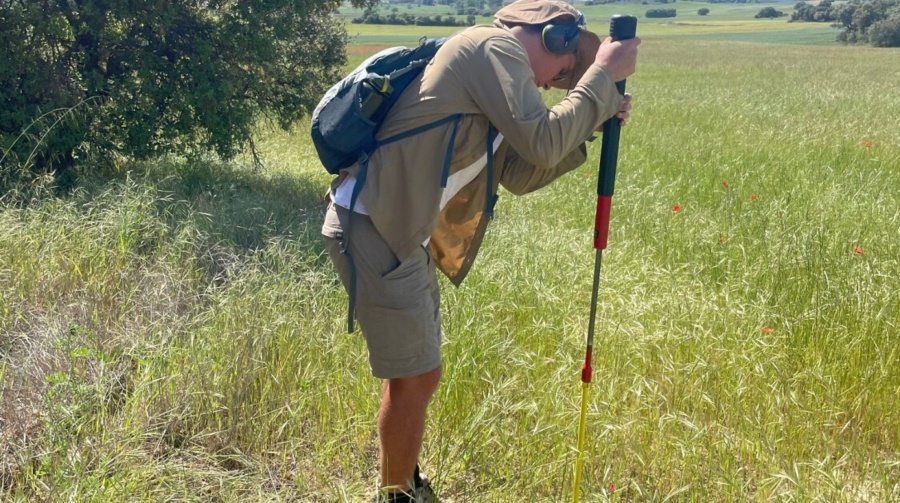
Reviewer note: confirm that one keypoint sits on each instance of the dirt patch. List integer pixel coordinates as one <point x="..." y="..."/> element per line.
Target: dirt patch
<point x="367" y="49"/>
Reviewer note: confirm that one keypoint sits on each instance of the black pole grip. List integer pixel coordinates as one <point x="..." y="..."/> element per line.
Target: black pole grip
<point x="621" y="27"/>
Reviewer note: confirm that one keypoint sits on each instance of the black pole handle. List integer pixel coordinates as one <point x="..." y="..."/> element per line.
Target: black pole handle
<point x="621" y="27"/>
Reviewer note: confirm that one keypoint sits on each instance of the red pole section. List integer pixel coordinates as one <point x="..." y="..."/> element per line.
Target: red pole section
<point x="586" y="369"/>
<point x="601" y="222"/>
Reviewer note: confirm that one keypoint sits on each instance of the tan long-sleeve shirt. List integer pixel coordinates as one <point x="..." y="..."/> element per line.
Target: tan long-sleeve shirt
<point x="483" y="73"/>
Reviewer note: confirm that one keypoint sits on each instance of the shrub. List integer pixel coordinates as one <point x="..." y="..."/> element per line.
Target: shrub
<point x="660" y="13"/>
<point x="768" y="12"/>
<point x="704" y="11"/>
<point x="885" y="33"/>
<point x="106" y="78"/>
<point x="821" y="13"/>
<point x="856" y="18"/>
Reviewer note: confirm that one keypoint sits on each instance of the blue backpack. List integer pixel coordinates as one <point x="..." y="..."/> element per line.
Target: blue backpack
<point x="348" y="116"/>
<point x="347" y="119"/>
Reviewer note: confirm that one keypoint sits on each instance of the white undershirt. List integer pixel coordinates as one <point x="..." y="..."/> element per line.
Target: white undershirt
<point x="455" y="182"/>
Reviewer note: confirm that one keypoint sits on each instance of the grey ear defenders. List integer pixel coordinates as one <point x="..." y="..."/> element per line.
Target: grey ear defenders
<point x="560" y="38"/>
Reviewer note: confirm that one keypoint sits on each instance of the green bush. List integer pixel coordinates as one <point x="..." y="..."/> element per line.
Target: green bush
<point x="408" y="19"/>
<point x="768" y="12"/>
<point x="823" y="12"/>
<point x="885" y="33"/>
<point x="108" y="78"/>
<point x="702" y="12"/>
<point x="856" y="18"/>
<point x="660" y="13"/>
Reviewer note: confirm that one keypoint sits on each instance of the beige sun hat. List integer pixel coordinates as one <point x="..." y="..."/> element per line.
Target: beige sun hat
<point x="542" y="12"/>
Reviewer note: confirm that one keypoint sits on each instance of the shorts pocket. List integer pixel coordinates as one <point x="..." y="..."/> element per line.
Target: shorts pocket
<point x="406" y="285"/>
<point x="408" y="267"/>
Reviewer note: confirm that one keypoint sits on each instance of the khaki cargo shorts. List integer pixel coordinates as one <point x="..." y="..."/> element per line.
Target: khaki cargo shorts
<point x="397" y="304"/>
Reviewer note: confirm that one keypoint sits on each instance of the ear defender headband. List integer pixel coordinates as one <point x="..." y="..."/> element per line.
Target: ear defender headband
<point x="562" y="38"/>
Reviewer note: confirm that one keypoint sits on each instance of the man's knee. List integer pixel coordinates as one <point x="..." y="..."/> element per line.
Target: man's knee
<point x="422" y="385"/>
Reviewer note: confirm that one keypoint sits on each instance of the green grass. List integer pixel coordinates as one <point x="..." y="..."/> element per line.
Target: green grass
<point x="175" y="333"/>
<point x="730" y="21"/>
<point x="818" y="35"/>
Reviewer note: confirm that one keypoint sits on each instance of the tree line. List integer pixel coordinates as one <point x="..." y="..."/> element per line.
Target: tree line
<point x="410" y="19"/>
<point x="875" y="22"/>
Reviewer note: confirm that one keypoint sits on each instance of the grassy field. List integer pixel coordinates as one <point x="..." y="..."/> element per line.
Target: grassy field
<point x="174" y="333"/>
<point x="724" y="22"/>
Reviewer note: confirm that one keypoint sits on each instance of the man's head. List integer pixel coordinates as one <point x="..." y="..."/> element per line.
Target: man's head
<point x="567" y="48"/>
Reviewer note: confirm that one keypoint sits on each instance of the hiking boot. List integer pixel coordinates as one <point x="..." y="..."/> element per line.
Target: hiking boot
<point x="420" y="493"/>
<point x="423" y="491"/>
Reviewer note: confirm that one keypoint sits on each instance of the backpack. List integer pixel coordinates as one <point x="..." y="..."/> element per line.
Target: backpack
<point x="347" y="119"/>
<point x="348" y="116"/>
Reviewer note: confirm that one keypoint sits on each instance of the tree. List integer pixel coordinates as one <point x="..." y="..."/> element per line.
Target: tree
<point x="885" y="33"/>
<point x="704" y="11"/>
<point x="820" y="13"/>
<point x="100" y="78"/>
<point x="857" y="19"/>
<point x="768" y="12"/>
<point x="652" y="13"/>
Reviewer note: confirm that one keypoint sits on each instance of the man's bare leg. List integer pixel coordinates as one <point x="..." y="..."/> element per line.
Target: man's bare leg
<point x="401" y="425"/>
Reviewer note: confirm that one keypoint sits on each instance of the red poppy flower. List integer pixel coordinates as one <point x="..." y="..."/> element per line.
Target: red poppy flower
<point x="859" y="251"/>
<point x="768" y="330"/>
<point x="676" y="207"/>
<point x="724" y="183"/>
<point x="722" y="239"/>
<point x="753" y="197"/>
<point x="867" y="143"/>
<point x="612" y="487"/>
